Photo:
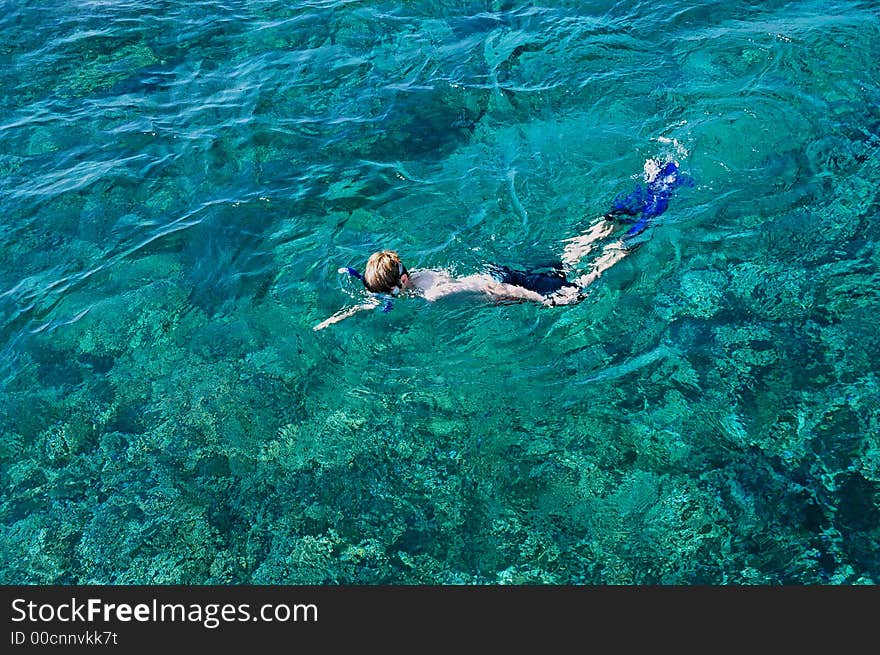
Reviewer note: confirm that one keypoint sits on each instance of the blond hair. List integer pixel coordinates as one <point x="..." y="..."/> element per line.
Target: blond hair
<point x="383" y="272"/>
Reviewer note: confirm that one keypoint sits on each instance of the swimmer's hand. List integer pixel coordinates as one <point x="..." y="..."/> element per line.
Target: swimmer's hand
<point x="343" y="314"/>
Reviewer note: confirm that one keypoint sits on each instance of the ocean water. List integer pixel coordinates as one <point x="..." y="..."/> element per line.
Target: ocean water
<point x="181" y="181"/>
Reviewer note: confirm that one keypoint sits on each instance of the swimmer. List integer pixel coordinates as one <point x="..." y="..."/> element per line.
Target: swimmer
<point x="386" y="278"/>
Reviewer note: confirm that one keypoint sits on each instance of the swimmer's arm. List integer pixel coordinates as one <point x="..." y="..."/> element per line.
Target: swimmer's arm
<point x="343" y="314"/>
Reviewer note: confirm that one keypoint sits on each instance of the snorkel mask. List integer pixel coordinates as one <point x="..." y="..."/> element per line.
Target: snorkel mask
<point x="388" y="298"/>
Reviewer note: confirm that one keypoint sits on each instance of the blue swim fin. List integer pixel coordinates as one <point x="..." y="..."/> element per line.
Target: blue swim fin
<point x="644" y="203"/>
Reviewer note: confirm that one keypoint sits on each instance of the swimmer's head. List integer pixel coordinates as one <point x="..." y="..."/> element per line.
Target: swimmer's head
<point x="385" y="273"/>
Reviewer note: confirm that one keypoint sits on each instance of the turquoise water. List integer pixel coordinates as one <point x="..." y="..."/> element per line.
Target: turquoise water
<point x="181" y="181"/>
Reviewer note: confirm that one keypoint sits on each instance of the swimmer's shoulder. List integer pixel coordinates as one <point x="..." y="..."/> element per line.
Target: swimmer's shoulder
<point x="426" y="278"/>
<point x="431" y="283"/>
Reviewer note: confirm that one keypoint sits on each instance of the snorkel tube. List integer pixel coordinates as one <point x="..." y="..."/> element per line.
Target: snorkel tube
<point x="353" y="273"/>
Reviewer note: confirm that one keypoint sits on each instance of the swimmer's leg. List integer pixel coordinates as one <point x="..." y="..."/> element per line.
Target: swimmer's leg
<point x="576" y="248"/>
<point x="611" y="254"/>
